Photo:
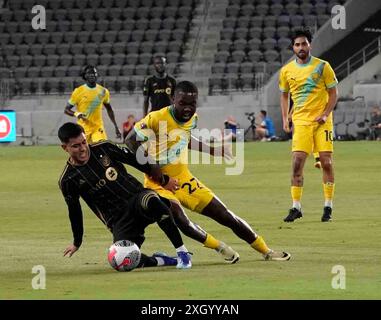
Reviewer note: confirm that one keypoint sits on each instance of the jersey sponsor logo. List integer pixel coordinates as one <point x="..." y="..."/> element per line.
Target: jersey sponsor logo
<point x="105" y="160"/>
<point x="156" y="91"/>
<point x="98" y="186"/>
<point x="111" y="174"/>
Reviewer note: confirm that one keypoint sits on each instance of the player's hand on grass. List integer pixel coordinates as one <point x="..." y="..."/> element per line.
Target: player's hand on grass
<point x="172" y="185"/>
<point x="70" y="250"/>
<point x="321" y="119"/>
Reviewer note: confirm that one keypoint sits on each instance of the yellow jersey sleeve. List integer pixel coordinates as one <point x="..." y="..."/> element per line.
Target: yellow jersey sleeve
<point x="283" y="83"/>
<point x="74" y="97"/>
<point x="106" y="99"/>
<point x="329" y="76"/>
<point x="146" y="127"/>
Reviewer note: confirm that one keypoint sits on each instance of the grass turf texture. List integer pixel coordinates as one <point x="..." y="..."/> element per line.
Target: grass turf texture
<point x="35" y="230"/>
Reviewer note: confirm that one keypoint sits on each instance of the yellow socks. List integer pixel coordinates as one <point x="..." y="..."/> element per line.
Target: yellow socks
<point x="260" y="245"/>
<point x="329" y="190"/>
<point x="296" y="195"/>
<point x="211" y="242"/>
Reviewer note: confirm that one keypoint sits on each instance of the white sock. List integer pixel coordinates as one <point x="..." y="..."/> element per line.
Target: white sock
<point x="160" y="261"/>
<point x="182" y="248"/>
<point x="328" y="203"/>
<point x="297" y="205"/>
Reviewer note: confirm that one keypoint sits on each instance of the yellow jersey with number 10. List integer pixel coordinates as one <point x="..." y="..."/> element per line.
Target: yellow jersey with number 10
<point x="307" y="84"/>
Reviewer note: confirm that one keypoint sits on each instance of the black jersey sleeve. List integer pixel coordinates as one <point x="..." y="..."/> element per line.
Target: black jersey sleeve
<point x="127" y="156"/>
<point x="71" y="194"/>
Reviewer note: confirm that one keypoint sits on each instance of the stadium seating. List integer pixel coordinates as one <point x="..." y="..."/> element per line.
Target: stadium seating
<point x="261" y="30"/>
<point x="119" y="35"/>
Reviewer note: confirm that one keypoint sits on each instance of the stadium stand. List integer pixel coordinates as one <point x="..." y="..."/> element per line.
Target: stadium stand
<point x="120" y="36"/>
<point x="260" y="31"/>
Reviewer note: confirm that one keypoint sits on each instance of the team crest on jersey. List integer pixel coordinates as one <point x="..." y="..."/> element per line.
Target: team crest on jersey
<point x="111" y="174"/>
<point x="105" y="160"/>
<point x="315" y="77"/>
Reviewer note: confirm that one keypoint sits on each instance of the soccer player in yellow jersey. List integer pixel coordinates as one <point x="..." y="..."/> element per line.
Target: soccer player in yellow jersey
<point x="169" y="129"/>
<point x="313" y="87"/>
<point x="89" y="100"/>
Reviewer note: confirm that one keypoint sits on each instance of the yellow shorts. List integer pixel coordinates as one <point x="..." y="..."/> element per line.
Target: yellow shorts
<point x="95" y="135"/>
<point x="314" y="137"/>
<point x="193" y="194"/>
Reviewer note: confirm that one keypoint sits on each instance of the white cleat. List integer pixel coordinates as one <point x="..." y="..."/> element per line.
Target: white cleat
<point x="277" y="256"/>
<point x="230" y="256"/>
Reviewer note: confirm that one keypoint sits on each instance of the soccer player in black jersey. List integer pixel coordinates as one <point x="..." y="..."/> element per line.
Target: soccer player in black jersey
<point x="96" y="174"/>
<point x="159" y="88"/>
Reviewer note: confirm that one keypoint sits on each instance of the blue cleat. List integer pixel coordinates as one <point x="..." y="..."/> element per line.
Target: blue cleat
<point x="184" y="260"/>
<point x="168" y="261"/>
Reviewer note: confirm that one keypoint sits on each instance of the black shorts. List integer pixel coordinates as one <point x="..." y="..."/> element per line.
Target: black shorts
<point x="131" y="223"/>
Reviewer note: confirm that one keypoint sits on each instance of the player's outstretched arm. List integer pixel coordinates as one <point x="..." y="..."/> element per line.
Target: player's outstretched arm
<point x="111" y="115"/>
<point x="224" y="150"/>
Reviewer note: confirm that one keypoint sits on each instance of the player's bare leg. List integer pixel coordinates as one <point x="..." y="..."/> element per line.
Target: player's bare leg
<point x="220" y="213"/>
<point x="298" y="161"/>
<point x="195" y="232"/>
<point x="328" y="184"/>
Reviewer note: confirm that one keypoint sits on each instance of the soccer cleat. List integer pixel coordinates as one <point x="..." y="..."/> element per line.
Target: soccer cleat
<point x="184" y="260"/>
<point x="327" y="214"/>
<point x="230" y="256"/>
<point x="277" y="256"/>
<point x="293" y="214"/>
<point x="168" y="261"/>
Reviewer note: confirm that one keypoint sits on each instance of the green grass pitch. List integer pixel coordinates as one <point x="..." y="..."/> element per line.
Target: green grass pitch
<point x="35" y="230"/>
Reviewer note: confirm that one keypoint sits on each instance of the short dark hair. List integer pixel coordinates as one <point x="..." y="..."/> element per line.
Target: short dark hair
<point x="264" y="112"/>
<point x="301" y="33"/>
<point x="86" y="68"/>
<point x="69" y="130"/>
<point x="186" y="86"/>
<point x="162" y="58"/>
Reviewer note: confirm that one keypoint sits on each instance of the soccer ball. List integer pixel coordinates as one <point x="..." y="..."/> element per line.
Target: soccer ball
<point x="124" y="255"/>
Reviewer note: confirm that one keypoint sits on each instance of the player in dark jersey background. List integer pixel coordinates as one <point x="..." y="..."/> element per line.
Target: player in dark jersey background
<point x="158" y="89"/>
<point x="96" y="174"/>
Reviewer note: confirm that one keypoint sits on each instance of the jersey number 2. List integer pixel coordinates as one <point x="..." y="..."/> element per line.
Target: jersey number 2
<point x="191" y="188"/>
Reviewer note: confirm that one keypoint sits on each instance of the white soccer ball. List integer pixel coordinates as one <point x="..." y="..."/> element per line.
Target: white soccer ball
<point x="124" y="255"/>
